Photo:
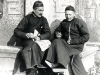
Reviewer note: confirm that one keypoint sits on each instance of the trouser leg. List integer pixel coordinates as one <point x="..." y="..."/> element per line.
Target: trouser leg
<point x="70" y="66"/>
<point x="77" y="66"/>
<point x="37" y="55"/>
<point x="58" y="53"/>
<point x="27" y="57"/>
<point x="26" y="52"/>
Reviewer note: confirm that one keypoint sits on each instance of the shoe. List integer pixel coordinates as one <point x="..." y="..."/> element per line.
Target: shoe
<point x="58" y="65"/>
<point x="31" y="72"/>
<point x="48" y="63"/>
<point x="28" y="71"/>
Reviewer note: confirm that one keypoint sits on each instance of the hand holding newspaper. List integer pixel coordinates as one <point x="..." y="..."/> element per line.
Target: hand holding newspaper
<point x="44" y="44"/>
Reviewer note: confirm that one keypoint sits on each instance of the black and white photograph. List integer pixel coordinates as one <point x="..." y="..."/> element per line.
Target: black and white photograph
<point x="49" y="37"/>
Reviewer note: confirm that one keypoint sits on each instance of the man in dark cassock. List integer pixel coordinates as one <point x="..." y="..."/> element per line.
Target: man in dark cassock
<point x="31" y="52"/>
<point x="64" y="52"/>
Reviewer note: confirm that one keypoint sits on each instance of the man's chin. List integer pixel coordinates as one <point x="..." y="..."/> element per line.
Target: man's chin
<point x="69" y="19"/>
<point x="39" y="16"/>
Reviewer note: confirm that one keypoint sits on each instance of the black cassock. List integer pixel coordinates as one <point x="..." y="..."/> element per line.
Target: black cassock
<point x="64" y="53"/>
<point x="31" y="53"/>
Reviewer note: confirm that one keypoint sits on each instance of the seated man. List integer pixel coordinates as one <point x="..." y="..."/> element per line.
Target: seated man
<point x="72" y="33"/>
<point x="33" y="27"/>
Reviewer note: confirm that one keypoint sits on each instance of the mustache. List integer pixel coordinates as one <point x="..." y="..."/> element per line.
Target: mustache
<point x="40" y="14"/>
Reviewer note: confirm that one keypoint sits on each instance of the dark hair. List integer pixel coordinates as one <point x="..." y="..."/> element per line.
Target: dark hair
<point x="70" y="8"/>
<point x="37" y="4"/>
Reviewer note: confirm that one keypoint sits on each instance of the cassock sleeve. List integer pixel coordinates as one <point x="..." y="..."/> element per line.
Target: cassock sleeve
<point x="84" y="34"/>
<point x="46" y="30"/>
<point x="58" y="29"/>
<point x="19" y="30"/>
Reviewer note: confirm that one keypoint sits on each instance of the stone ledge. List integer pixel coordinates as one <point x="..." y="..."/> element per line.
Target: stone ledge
<point x="95" y="44"/>
<point x="9" y="49"/>
<point x="7" y="59"/>
<point x="64" y="71"/>
<point x="89" y="48"/>
<point x="8" y="54"/>
<point x="89" y="54"/>
<point x="2" y="72"/>
<point x="10" y="73"/>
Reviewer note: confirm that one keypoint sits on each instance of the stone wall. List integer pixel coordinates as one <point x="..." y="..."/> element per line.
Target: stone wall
<point x="13" y="11"/>
<point x="90" y="10"/>
<point x="7" y="59"/>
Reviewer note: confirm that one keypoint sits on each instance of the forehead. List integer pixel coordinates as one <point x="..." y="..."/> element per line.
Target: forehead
<point x="69" y="12"/>
<point x="39" y="8"/>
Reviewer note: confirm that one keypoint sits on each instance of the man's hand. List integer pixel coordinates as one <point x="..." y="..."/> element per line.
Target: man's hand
<point x="69" y="40"/>
<point x="58" y="35"/>
<point x="30" y="35"/>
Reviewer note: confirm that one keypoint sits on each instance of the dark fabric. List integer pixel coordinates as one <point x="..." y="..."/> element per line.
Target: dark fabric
<point x="14" y="41"/>
<point x="64" y="53"/>
<point x="60" y="52"/>
<point x="41" y="71"/>
<point x="46" y="71"/>
<point x="77" y="66"/>
<point x="31" y="22"/>
<point x="32" y="72"/>
<point x="78" y="31"/>
<point x="31" y="53"/>
<point x="19" y="63"/>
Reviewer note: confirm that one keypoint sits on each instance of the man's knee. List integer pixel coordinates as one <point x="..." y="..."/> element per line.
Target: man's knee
<point x="28" y="43"/>
<point x="57" y="40"/>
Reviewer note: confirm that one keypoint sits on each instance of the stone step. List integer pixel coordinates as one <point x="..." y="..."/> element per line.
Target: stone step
<point x="7" y="59"/>
<point x="64" y="71"/>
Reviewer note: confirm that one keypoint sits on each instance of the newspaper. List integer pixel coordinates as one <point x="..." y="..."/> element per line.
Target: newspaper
<point x="36" y="33"/>
<point x="44" y="44"/>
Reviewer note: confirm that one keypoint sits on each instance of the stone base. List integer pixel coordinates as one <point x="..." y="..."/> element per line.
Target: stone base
<point x="61" y="71"/>
<point x="8" y="55"/>
<point x="7" y="59"/>
<point x="10" y="73"/>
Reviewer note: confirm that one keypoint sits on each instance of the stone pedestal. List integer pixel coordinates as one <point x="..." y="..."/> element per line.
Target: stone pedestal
<point x="7" y="59"/>
<point x="90" y="58"/>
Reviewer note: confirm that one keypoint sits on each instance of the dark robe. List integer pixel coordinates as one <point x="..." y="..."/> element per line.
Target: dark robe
<point x="31" y="53"/>
<point x="64" y="53"/>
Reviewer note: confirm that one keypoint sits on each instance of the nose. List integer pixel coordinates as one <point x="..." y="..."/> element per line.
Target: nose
<point x="68" y="16"/>
<point x="41" y="12"/>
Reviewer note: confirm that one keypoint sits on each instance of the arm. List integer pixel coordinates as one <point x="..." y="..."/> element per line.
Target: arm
<point x="84" y="34"/>
<point x="57" y="32"/>
<point x="46" y="30"/>
<point x="19" y="30"/>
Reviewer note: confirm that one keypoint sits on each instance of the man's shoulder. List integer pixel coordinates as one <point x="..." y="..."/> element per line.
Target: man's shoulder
<point x="64" y="20"/>
<point x="29" y="15"/>
<point x="44" y="18"/>
<point x="79" y="20"/>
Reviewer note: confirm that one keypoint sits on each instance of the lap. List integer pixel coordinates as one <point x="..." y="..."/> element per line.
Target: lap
<point x="27" y="43"/>
<point x="62" y="45"/>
